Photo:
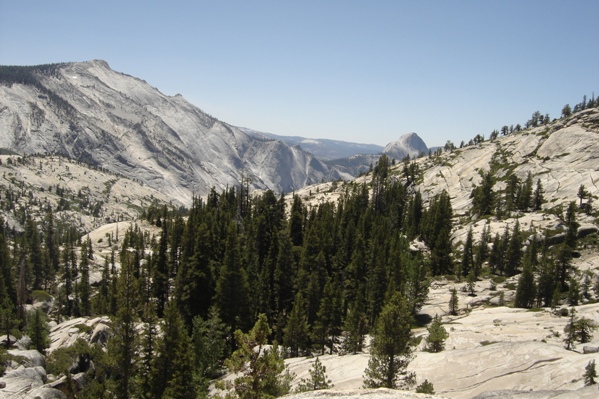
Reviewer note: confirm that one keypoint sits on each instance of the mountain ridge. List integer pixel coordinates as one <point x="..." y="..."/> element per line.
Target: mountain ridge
<point x="91" y="113"/>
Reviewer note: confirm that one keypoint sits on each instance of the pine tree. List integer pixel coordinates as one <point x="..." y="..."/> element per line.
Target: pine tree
<point x="160" y="281"/>
<point x="262" y="372"/>
<point x="570" y="331"/>
<point x="426" y="387"/>
<point x="7" y="276"/>
<point x="38" y="330"/>
<point x="355" y="326"/>
<point x="390" y="347"/>
<point x="483" y="196"/>
<point x="8" y="320"/>
<point x="453" y="302"/>
<point x="328" y="317"/>
<point x="122" y="348"/>
<point x="590" y="373"/>
<point x="513" y="255"/>
<point x="232" y="289"/>
<point x="467" y="258"/>
<point x="437" y="334"/>
<point x="538" y="198"/>
<point x="144" y="378"/>
<point x="296" y="331"/>
<point x="318" y="378"/>
<point x="209" y="346"/>
<point x="84" y="285"/>
<point x="526" y="290"/>
<point x="174" y="362"/>
<point x="566" y="249"/>
<point x="482" y="250"/>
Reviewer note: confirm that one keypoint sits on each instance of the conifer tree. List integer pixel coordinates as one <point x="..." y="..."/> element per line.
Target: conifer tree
<point x="590" y="373"/>
<point x="101" y="302"/>
<point x="566" y="250"/>
<point x="513" y="255"/>
<point x="122" y="348"/>
<point x="482" y="250"/>
<point x="232" y="290"/>
<point x="453" y="302"/>
<point x="194" y="285"/>
<point x="174" y="363"/>
<point x="538" y="198"/>
<point x="51" y="241"/>
<point x="7" y="277"/>
<point x="160" y="280"/>
<point x="262" y="372"/>
<point x="526" y="289"/>
<point x="318" y="378"/>
<point x="390" y="347"/>
<point x="437" y="334"/>
<point x="483" y="196"/>
<point x="37" y="329"/>
<point x="355" y="326"/>
<point x="284" y="274"/>
<point x="144" y="378"/>
<point x="426" y="387"/>
<point x="328" y="317"/>
<point x="8" y="320"/>
<point x="209" y="346"/>
<point x="32" y="247"/>
<point x="296" y="331"/>
<point x="467" y="256"/>
<point x="84" y="287"/>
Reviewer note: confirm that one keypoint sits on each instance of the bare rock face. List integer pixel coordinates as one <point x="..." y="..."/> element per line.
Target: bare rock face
<point x="23" y="379"/>
<point x="583" y="393"/>
<point x="381" y="393"/>
<point x="94" y="114"/>
<point x="409" y="144"/>
<point x="32" y="356"/>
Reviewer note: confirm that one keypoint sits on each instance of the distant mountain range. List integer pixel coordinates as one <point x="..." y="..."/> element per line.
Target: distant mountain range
<point x="323" y="149"/>
<point x="350" y="159"/>
<point x="90" y="113"/>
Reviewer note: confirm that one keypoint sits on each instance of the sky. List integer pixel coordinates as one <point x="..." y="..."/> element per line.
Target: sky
<point x="360" y="71"/>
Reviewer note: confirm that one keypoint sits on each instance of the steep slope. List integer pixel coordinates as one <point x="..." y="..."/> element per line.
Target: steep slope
<point x="94" y="114"/>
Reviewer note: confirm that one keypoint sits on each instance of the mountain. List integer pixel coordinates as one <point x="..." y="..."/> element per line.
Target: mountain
<point x="323" y="149"/>
<point x="493" y="345"/>
<point x="348" y="159"/>
<point x="91" y="113"/>
<point x="409" y="144"/>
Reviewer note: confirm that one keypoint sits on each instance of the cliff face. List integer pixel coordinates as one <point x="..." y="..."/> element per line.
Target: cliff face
<point x="94" y="114"/>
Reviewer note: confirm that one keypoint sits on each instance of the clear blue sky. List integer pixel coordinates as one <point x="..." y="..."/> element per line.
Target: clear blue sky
<point x="364" y="71"/>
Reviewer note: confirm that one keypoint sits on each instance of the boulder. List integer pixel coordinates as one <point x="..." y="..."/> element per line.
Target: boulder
<point x="33" y="357"/>
<point x="590" y="349"/>
<point x="23" y="342"/>
<point x="100" y="334"/>
<point x="3" y="339"/>
<point x="586" y="230"/>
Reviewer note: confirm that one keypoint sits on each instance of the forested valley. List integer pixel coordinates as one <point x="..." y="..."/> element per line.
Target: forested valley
<point x="238" y="271"/>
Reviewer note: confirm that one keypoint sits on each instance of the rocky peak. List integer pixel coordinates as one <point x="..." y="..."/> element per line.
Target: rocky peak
<point x="409" y="144"/>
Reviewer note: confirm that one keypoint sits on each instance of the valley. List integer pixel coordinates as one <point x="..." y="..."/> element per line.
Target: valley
<point x="141" y="239"/>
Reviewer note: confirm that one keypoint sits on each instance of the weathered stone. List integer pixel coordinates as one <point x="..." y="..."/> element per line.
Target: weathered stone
<point x="33" y="357"/>
<point x="590" y="349"/>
